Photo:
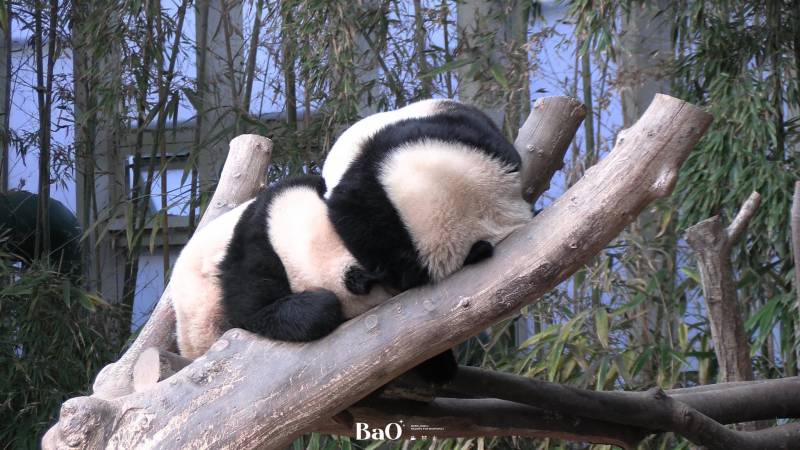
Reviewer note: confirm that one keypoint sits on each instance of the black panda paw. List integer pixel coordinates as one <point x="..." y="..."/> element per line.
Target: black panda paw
<point x="358" y="281"/>
<point x="439" y="370"/>
<point x="480" y="250"/>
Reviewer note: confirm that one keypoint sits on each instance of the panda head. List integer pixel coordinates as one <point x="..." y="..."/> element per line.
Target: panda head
<point x="419" y="193"/>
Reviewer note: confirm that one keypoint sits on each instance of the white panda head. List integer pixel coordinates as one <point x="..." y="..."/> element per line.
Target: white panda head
<point x="418" y="193"/>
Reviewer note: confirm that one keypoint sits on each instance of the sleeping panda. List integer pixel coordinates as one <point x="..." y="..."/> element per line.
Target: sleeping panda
<point x="274" y="266"/>
<point x="417" y="193"/>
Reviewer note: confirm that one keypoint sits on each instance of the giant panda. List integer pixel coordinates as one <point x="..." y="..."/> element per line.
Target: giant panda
<point x="417" y="193"/>
<point x="274" y="266"/>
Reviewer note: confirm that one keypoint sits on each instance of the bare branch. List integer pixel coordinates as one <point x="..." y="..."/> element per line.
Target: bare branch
<point x="746" y="212"/>
<point x="712" y="244"/>
<point x="724" y="402"/>
<point x="544" y="139"/>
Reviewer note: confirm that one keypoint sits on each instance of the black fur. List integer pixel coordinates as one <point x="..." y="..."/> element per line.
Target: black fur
<point x="440" y="369"/>
<point x="480" y="251"/>
<point x="359" y="281"/>
<point x="255" y="288"/>
<point x="361" y="212"/>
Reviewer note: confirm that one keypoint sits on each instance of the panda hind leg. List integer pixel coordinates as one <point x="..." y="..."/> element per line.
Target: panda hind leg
<point x="299" y="317"/>
<point x="480" y="251"/>
<point x="440" y="369"/>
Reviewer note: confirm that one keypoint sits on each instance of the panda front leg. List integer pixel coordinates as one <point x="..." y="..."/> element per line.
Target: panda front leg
<point x="298" y="317"/>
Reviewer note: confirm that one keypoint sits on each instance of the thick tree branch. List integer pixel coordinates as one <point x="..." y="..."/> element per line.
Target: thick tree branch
<point x="712" y="242"/>
<point x="543" y="140"/>
<point x="319" y="379"/>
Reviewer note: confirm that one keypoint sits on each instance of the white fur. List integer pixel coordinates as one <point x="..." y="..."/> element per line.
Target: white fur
<point x="350" y="143"/>
<point x="449" y="196"/>
<point x="312" y="253"/>
<point x="195" y="288"/>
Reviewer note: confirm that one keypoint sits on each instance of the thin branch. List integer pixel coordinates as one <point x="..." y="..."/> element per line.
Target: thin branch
<point x="544" y="139"/>
<point x="742" y="219"/>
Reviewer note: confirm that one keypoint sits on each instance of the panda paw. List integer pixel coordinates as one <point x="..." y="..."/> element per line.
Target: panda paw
<point x="358" y="281"/>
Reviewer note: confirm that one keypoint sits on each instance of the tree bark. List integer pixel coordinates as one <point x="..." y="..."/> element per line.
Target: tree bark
<point x="712" y="242"/>
<point x="544" y="139"/>
<point x="303" y="386"/>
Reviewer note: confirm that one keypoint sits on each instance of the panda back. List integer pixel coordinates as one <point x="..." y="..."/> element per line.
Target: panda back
<point x="195" y="286"/>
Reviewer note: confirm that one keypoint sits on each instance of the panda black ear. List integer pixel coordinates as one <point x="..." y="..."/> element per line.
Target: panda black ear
<point x="320" y="186"/>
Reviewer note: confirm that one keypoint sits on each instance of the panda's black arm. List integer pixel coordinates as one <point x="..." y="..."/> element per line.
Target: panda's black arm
<point x="300" y="317"/>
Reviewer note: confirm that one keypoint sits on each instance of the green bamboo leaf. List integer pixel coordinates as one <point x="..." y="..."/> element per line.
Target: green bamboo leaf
<point x="601" y="324"/>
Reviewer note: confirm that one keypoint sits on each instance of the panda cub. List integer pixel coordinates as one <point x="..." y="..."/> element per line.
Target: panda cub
<point x="419" y="192"/>
<point x="274" y="266"/>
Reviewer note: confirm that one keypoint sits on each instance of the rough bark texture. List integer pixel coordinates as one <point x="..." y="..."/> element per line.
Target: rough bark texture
<point x="243" y="174"/>
<point x="712" y="243"/>
<point x="154" y="365"/>
<point x="307" y="381"/>
<point x="544" y="139"/>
